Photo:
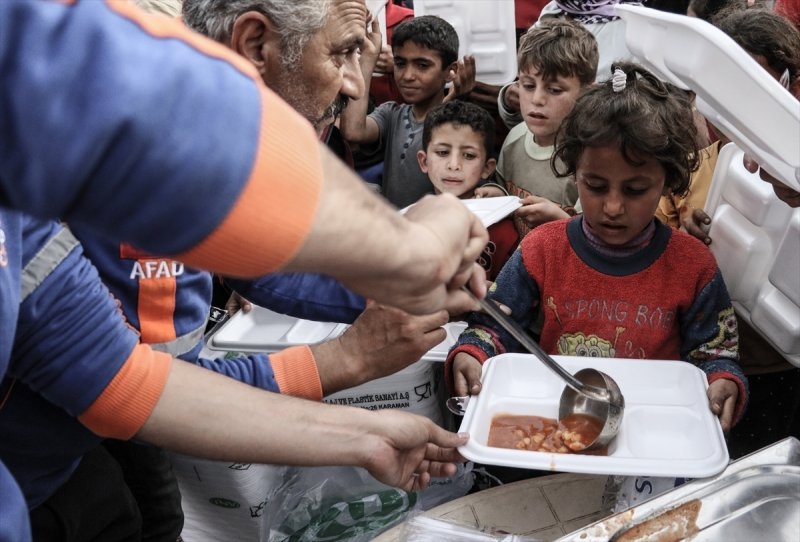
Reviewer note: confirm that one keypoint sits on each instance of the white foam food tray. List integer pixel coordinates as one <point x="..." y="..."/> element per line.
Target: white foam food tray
<point x="263" y="330"/>
<point x="489" y="210"/>
<point x="733" y="91"/>
<point x="667" y="427"/>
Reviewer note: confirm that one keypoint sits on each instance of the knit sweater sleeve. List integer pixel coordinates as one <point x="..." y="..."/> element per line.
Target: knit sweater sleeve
<point x="711" y="338"/>
<point x="484" y="338"/>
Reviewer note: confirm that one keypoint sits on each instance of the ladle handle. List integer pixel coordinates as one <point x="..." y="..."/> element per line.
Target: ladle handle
<point x="516" y="331"/>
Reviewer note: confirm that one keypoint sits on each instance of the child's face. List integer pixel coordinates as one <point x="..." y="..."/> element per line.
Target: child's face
<point x="418" y="73"/>
<point x="544" y="103"/>
<point x="455" y="160"/>
<point x="619" y="200"/>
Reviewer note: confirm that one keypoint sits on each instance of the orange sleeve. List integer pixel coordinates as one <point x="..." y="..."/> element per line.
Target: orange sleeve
<point x="274" y="212"/>
<point x="296" y="372"/>
<point x="126" y="403"/>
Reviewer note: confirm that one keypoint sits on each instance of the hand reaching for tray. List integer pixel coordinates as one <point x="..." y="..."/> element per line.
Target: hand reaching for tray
<point x="722" y="396"/>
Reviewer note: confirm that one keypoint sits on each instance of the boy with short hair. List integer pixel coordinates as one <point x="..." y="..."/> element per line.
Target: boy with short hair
<point x="557" y="60"/>
<point x="456" y="154"/>
<point x="425" y="53"/>
<point x="457" y="138"/>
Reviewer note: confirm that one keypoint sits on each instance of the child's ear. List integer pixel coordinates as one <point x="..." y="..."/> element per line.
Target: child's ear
<point x="422" y="158"/>
<point x="254" y="37"/>
<point x="489" y="167"/>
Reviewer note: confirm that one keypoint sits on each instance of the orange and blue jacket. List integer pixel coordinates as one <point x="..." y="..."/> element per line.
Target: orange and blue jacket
<point x="148" y="133"/>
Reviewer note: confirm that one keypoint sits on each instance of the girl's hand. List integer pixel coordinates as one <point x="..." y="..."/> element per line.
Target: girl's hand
<point x="722" y="397"/>
<point x="466" y="374"/>
<point x="536" y="211"/>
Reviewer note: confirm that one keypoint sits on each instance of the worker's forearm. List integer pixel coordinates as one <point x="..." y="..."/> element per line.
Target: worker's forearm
<point x="208" y="415"/>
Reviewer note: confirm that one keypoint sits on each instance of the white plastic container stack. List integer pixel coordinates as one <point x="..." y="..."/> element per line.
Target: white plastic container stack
<point x="756" y="236"/>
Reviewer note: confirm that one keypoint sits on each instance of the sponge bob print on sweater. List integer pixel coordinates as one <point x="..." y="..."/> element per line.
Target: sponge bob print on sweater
<point x="578" y="344"/>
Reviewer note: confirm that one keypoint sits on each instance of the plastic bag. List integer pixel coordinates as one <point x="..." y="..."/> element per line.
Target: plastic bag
<point x="623" y="492"/>
<point x="324" y="504"/>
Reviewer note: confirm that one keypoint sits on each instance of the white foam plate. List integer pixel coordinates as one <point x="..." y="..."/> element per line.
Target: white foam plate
<point x="489" y="210"/>
<point x="733" y="91"/>
<point x="667" y="427"/>
<point x="262" y="330"/>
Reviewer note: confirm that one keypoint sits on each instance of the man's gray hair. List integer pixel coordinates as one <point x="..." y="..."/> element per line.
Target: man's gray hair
<point x="297" y="21"/>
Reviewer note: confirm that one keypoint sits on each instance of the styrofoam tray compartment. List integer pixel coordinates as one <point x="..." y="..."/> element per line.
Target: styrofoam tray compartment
<point x="667" y="428"/>
<point x="733" y="91"/>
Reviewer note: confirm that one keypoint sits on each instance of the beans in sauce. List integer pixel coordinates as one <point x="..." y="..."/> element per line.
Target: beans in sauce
<point x="572" y="435"/>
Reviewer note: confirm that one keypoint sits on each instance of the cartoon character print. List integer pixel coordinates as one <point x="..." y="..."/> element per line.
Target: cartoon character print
<point x="726" y="343"/>
<point x="591" y="346"/>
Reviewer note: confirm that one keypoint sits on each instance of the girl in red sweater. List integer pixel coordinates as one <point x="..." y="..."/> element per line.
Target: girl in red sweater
<point x="614" y="281"/>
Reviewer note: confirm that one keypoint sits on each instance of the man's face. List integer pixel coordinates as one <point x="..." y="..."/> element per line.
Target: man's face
<point x="328" y="73"/>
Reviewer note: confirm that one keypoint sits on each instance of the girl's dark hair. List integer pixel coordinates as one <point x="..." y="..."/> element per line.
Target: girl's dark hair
<point x="646" y="118"/>
<point x="763" y="32"/>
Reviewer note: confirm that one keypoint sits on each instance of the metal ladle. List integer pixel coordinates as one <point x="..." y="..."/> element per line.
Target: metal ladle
<point x="589" y="392"/>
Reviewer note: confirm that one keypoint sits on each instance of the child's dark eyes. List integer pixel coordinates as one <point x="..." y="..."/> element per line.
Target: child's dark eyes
<point x="596" y="188"/>
<point x="530" y="87"/>
<point x="627" y="190"/>
<point x="470" y="156"/>
<point x="634" y="192"/>
<point x="441" y="154"/>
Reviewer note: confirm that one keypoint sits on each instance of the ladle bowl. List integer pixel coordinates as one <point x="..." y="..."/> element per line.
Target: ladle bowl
<point x="608" y="413"/>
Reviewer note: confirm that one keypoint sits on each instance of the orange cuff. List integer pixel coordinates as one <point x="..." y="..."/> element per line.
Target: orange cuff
<point x="128" y="400"/>
<point x="296" y="372"/>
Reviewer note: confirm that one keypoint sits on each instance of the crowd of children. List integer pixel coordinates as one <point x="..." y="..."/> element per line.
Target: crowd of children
<point x="617" y="230"/>
<point x="557" y="178"/>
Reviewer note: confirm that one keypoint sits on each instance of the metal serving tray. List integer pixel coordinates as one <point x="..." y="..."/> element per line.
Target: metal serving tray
<point x="755" y="498"/>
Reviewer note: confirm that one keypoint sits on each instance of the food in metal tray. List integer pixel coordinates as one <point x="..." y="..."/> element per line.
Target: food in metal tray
<point x="670" y="526"/>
